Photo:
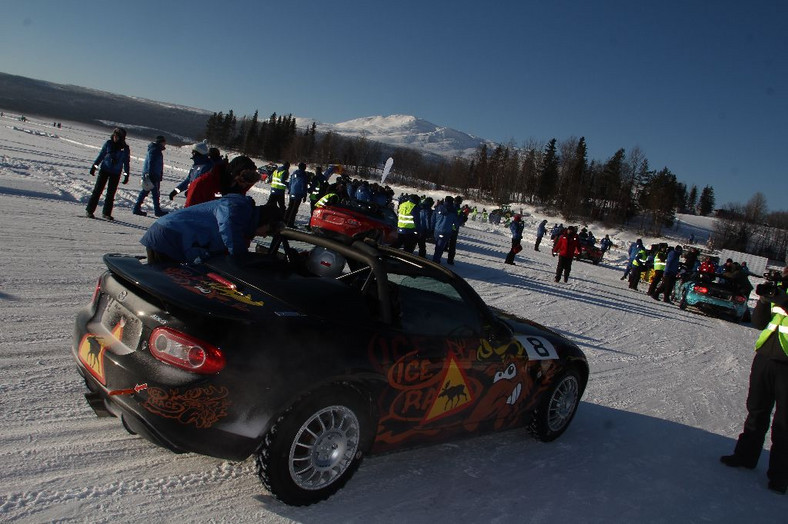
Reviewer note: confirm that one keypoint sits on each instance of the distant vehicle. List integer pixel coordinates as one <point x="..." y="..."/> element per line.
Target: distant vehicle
<point x="505" y="211"/>
<point x="312" y="353"/>
<point x="712" y="294"/>
<point x="265" y="172"/>
<point x="588" y="252"/>
<point x="355" y="220"/>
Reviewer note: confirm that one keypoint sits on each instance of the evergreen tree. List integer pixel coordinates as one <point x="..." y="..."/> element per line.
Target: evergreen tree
<point x="548" y="178"/>
<point x="692" y="200"/>
<point x="706" y="201"/>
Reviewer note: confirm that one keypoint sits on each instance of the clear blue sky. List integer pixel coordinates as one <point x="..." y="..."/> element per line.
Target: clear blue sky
<point x="700" y="86"/>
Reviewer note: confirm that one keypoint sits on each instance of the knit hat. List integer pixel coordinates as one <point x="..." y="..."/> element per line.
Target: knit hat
<point x="200" y="148"/>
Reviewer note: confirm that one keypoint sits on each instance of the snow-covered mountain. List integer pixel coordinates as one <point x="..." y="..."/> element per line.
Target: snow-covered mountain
<point x="405" y="131"/>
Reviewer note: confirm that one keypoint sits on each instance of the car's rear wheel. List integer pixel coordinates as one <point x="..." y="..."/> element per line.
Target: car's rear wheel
<point x="315" y="447"/>
<point x="557" y="409"/>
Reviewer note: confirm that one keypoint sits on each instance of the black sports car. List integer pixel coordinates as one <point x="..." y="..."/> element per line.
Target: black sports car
<point x="310" y="354"/>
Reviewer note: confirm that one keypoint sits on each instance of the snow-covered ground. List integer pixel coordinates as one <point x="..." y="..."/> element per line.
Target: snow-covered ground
<point x="665" y="397"/>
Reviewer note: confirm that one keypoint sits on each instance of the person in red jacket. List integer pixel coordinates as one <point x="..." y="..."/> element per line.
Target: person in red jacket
<point x="565" y="249"/>
<point x="236" y="176"/>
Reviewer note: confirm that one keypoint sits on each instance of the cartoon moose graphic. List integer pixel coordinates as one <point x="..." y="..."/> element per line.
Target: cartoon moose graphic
<point x="452" y="394"/>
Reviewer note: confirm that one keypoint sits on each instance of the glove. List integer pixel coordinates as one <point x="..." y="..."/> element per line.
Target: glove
<point x="125" y="178"/>
<point x="93" y="170"/>
<point x="173" y="193"/>
<point x="780" y="298"/>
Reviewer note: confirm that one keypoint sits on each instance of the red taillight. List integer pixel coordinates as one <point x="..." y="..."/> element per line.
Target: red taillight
<point x="700" y="289"/>
<point x="185" y="352"/>
<point x="740" y="299"/>
<point x="96" y="291"/>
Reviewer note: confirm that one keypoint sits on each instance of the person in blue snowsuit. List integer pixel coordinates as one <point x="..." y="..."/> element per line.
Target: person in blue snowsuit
<point x="446" y="219"/>
<point x="633" y="251"/>
<point x="152" y="171"/>
<point x="297" y="187"/>
<point x="426" y="224"/>
<point x="194" y="234"/>
<point x="540" y="232"/>
<point x="516" y="227"/>
<point x="112" y="160"/>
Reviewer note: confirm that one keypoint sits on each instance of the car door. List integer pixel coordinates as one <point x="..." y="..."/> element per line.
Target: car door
<point x="430" y="360"/>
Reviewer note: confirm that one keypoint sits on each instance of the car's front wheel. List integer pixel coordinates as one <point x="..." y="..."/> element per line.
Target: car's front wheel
<point x="557" y="409"/>
<point x="315" y="447"/>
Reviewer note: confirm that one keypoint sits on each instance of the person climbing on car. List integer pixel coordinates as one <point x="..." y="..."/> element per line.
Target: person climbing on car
<point x="224" y="226"/>
<point x="516" y="227"/>
<point x="112" y="160"/>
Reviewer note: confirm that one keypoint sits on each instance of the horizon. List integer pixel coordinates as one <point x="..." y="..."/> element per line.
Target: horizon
<point x="697" y="93"/>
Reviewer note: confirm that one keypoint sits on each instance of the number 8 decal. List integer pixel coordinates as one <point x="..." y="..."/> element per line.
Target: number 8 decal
<point x="538" y="348"/>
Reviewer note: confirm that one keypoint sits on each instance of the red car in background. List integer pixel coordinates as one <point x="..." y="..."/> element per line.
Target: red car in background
<point x="355" y="220"/>
<point x="588" y="252"/>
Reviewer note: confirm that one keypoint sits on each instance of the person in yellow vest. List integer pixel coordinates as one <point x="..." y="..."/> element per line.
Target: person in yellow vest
<point x="768" y="387"/>
<point x="408" y="224"/>
<point x="659" y="270"/>
<point x="638" y="265"/>
<point x="279" y="185"/>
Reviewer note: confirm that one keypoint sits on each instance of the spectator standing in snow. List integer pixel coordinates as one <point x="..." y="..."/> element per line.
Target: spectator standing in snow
<point x="516" y="227"/>
<point x="633" y="250"/>
<point x="445" y="218"/>
<point x="426" y="224"/>
<point x="565" y="248"/>
<point x="201" y="164"/>
<point x="279" y="185"/>
<point x="297" y="187"/>
<point x="659" y="270"/>
<point x="112" y="160"/>
<point x="768" y="387"/>
<point x="540" y="232"/>
<point x="451" y="249"/>
<point x="638" y="265"/>
<point x="671" y="273"/>
<point x="152" y="173"/>
<point x="605" y="244"/>
<point x="408" y="224"/>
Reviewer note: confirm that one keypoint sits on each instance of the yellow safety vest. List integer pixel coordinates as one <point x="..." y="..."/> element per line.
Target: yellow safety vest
<point x="276" y="180"/>
<point x="637" y="260"/>
<point x="404" y="217"/>
<point x="778" y="323"/>
<point x="659" y="265"/>
<point x="324" y="200"/>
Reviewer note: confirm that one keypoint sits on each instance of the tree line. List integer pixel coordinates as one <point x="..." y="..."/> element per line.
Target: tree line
<point x="555" y="175"/>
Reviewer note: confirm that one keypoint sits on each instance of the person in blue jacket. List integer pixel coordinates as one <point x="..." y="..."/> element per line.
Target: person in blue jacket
<point x="634" y="247"/>
<point x="670" y="274"/>
<point x="426" y="224"/>
<point x="540" y="232"/>
<point x="516" y="227"/>
<point x="446" y="219"/>
<point x="152" y="173"/>
<point x="201" y="164"/>
<point x="224" y="226"/>
<point x="112" y="160"/>
<point x="298" y="184"/>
